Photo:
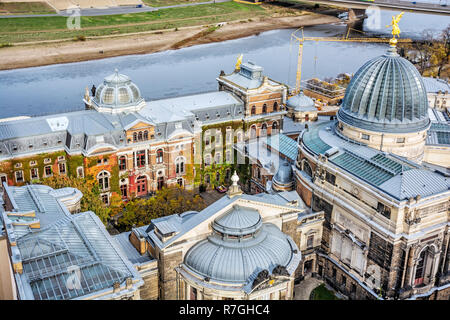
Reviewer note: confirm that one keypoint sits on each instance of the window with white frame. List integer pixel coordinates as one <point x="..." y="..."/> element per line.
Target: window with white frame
<point x="34" y="173"/>
<point x="80" y="172"/>
<point x="19" y="176"/>
<point x="103" y="180"/>
<point x="179" y="165"/>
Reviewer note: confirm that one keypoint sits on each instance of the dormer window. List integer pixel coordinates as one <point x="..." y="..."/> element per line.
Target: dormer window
<point x="14" y="147"/>
<point x="30" y="146"/>
<point x="59" y="141"/>
<point x="207" y="116"/>
<point x="18" y="165"/>
<point x="47" y="160"/>
<point x="61" y="158"/>
<point x="33" y="163"/>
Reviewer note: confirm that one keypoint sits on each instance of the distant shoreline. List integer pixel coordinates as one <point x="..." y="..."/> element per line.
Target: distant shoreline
<point x="36" y="54"/>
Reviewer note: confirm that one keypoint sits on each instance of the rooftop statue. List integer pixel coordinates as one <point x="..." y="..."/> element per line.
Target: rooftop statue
<point x="395" y="29"/>
<point x="239" y="62"/>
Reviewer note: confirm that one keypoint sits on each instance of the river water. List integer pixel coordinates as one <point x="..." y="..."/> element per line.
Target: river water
<point x="59" y="88"/>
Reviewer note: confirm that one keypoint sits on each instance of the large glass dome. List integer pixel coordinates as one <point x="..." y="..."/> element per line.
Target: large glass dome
<point x="387" y="94"/>
<point x="117" y="93"/>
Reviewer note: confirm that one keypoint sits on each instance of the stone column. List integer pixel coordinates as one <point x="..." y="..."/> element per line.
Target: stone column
<point x="410" y="265"/>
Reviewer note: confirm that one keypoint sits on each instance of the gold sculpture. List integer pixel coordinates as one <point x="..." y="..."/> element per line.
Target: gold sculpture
<point x="395" y="29"/>
<point x="238" y="62"/>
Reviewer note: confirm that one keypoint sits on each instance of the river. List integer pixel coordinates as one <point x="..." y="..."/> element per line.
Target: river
<point x="59" y="88"/>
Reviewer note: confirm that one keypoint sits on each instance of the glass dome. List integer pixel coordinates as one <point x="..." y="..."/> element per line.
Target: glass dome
<point x="117" y="92"/>
<point x="387" y="94"/>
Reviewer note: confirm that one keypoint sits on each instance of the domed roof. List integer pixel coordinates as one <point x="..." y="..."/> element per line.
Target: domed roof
<point x="284" y="175"/>
<point x="239" y="221"/>
<point x="386" y="94"/>
<point x="234" y="261"/>
<point x="117" y="92"/>
<point x="300" y="102"/>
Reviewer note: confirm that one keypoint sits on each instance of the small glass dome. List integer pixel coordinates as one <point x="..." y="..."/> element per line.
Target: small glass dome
<point x="117" y="92"/>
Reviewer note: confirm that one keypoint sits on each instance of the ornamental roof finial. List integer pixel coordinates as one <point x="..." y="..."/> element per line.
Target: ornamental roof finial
<point x="234" y="189"/>
<point x="239" y="62"/>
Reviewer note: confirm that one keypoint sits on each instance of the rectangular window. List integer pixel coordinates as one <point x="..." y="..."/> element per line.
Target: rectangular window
<point x="365" y="136"/>
<point x="228" y="156"/>
<point x="122" y="163"/>
<point x="62" y="168"/>
<point x="229" y="136"/>
<point x="384" y="210"/>
<point x="193" y="293"/>
<point x="344" y="281"/>
<point x="80" y="172"/>
<point x="34" y="173"/>
<point x="334" y="273"/>
<point x="123" y="190"/>
<point x="19" y="176"/>
<point x="310" y="242"/>
<point x="105" y="199"/>
<point x="48" y="171"/>
<point x="331" y="178"/>
<point x="400" y="140"/>
<point x="140" y="158"/>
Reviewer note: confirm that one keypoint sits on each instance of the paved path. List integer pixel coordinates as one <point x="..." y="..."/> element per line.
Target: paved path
<point x="302" y="291"/>
<point x="110" y="11"/>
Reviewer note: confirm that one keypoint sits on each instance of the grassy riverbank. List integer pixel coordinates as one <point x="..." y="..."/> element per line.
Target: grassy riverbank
<point x="13" y="8"/>
<point x="16" y="30"/>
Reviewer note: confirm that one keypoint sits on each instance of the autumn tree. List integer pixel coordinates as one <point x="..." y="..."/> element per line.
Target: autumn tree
<point x="91" y="194"/>
<point x="140" y="211"/>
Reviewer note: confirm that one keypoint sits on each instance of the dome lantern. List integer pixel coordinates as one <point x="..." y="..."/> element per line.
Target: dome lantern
<point x="117" y="94"/>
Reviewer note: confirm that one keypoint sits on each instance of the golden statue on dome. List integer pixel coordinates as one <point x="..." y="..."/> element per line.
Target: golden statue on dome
<point x="395" y="29"/>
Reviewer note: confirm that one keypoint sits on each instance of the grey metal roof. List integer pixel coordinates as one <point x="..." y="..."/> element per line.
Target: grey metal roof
<point x="386" y="94"/>
<point x="238" y="221"/>
<point x="284" y="174"/>
<point x="388" y="173"/>
<point x="434" y="85"/>
<point x="300" y="102"/>
<point x="205" y="106"/>
<point x="284" y="145"/>
<point x="235" y="261"/>
<point x="128" y="250"/>
<point x="438" y="134"/>
<point x="250" y="76"/>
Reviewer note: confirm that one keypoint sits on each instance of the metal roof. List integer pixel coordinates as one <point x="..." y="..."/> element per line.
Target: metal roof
<point x="67" y="247"/>
<point x="235" y="261"/>
<point x="284" y="145"/>
<point x="389" y="173"/>
<point x="433" y="85"/>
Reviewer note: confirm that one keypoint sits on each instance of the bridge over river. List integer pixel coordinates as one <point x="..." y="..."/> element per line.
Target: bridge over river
<point x="408" y="6"/>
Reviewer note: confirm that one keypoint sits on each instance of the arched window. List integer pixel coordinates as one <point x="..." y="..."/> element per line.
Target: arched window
<point x="307" y="168"/>
<point x="134" y="136"/>
<point x="253" y="132"/>
<point x="218" y="158"/>
<point x="264" y="129"/>
<point x="179" y="165"/>
<point x="259" y="174"/>
<point x="207" y="160"/>
<point x="217" y="176"/>
<point x="253" y="110"/>
<point x="159" y="156"/>
<point x="264" y="108"/>
<point x="145" y="135"/>
<point x="275" y="127"/>
<point x="275" y="106"/>
<point x="122" y="163"/>
<point x="140" y="136"/>
<point x="103" y="180"/>
<point x="180" y="182"/>
<point x="160" y="183"/>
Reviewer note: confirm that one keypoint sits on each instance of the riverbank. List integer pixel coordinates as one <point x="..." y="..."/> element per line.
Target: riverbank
<point x="33" y="55"/>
